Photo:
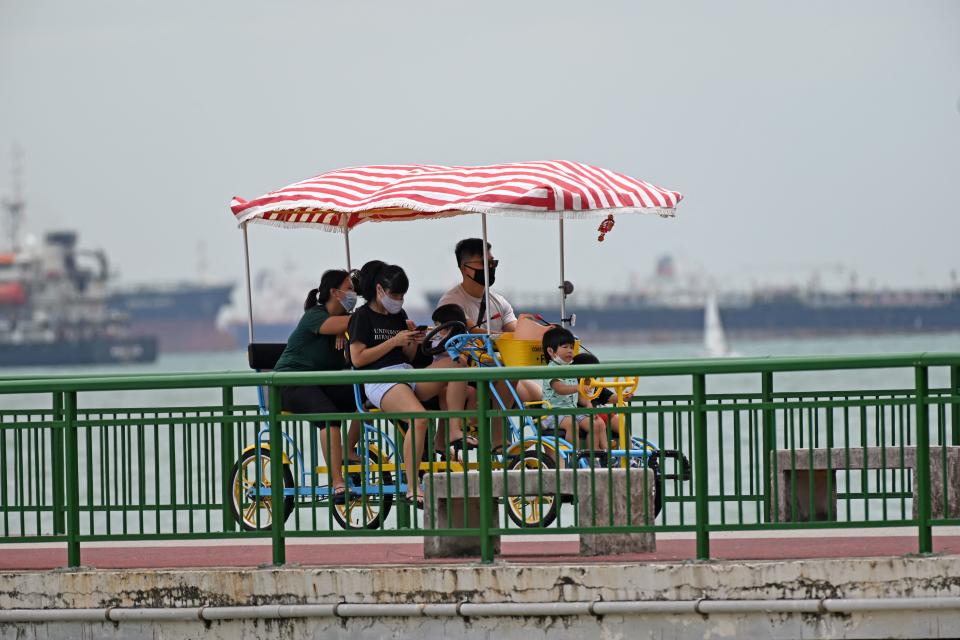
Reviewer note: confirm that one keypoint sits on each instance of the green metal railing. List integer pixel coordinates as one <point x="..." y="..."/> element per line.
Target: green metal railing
<point x="76" y="471"/>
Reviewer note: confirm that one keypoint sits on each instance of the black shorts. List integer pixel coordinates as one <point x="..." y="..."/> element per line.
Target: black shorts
<point x="332" y="398"/>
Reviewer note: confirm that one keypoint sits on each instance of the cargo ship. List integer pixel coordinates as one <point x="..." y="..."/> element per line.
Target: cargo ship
<point x="760" y="314"/>
<point x="53" y="308"/>
<point x="182" y="316"/>
<point x="58" y="304"/>
<point x="666" y="307"/>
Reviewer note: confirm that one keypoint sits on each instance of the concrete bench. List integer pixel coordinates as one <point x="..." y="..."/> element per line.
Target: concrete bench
<point x="451" y="496"/>
<point x="798" y="469"/>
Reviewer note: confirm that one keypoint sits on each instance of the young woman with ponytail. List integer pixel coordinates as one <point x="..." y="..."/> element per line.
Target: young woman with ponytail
<point x="317" y="344"/>
<point x="382" y="337"/>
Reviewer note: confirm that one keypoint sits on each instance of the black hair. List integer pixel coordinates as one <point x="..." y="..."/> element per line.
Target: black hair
<point x="555" y="338"/>
<point x="585" y="357"/>
<point x="329" y="281"/>
<point x="377" y="272"/>
<point x="449" y="313"/>
<point x="468" y="248"/>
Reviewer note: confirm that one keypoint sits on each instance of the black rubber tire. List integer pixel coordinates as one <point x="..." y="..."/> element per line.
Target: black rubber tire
<point x="341" y="512"/>
<point x="237" y="487"/>
<point x="654" y="464"/>
<point x="517" y="507"/>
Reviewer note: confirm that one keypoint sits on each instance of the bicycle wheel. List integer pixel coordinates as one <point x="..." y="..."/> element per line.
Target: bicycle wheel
<point x="654" y="464"/>
<point x="366" y="509"/>
<point x="532" y="511"/>
<point x="255" y="513"/>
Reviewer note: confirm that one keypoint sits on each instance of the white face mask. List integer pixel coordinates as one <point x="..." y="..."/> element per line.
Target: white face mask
<point x="348" y="299"/>
<point x="392" y="305"/>
<point x="557" y="360"/>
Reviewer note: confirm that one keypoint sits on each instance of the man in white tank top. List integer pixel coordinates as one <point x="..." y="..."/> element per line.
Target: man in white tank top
<point x="469" y="294"/>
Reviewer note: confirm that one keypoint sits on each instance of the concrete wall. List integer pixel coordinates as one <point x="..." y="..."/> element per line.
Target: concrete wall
<point x="840" y="581"/>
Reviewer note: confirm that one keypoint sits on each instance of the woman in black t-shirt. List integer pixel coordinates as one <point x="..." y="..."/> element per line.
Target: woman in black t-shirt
<point x="317" y="344"/>
<point x="382" y="337"/>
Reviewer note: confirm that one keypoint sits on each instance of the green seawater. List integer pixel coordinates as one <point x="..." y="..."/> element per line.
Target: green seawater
<point x="848" y="345"/>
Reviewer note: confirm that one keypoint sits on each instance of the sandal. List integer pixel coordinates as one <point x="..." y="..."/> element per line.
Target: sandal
<point x="453" y="453"/>
<point x="458" y="441"/>
<point x="418" y="500"/>
<point x="339" y="495"/>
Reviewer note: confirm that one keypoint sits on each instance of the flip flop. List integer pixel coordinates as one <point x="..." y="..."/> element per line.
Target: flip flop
<point x="458" y="442"/>
<point x="339" y="495"/>
<point x="418" y="501"/>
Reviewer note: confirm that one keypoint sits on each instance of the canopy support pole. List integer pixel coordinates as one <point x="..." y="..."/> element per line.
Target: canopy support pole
<point x="346" y="241"/>
<point x="563" y="279"/>
<point x="486" y="272"/>
<point x="246" y="265"/>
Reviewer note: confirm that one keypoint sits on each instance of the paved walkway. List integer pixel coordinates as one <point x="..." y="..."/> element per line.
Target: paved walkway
<point x="409" y="551"/>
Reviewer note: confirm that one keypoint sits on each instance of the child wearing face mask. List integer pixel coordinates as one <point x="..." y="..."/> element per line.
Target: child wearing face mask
<point x="381" y="337"/>
<point x="561" y="391"/>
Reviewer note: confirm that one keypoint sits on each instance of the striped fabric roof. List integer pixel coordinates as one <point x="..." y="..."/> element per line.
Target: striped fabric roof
<point x="347" y="197"/>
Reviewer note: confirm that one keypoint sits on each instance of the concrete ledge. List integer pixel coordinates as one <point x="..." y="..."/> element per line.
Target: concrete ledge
<point x="453" y="501"/>
<point x="664" y="600"/>
<point x="515" y="483"/>
<point x="794" y="469"/>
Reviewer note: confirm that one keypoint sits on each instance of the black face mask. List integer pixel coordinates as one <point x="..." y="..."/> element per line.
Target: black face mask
<point x="478" y="275"/>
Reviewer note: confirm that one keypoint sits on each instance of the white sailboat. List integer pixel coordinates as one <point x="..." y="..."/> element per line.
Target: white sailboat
<point x="714" y="341"/>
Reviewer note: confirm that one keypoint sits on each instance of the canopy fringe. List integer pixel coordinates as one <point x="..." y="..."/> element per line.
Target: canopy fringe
<point x="663" y="212"/>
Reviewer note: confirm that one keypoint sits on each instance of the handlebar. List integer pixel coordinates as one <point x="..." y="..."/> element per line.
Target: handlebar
<point x="621" y="385"/>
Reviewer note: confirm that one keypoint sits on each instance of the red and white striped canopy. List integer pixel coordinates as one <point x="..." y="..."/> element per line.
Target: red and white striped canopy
<point x="344" y="198"/>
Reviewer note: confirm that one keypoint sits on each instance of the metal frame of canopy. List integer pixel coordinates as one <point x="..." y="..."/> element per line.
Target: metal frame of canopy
<point x="346" y="238"/>
<point x="379" y="215"/>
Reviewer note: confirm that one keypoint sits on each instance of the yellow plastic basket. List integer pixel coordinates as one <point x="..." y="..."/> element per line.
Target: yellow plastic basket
<point x="523" y="353"/>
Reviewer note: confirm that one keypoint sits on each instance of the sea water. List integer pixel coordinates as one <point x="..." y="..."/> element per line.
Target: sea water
<point x="235" y="361"/>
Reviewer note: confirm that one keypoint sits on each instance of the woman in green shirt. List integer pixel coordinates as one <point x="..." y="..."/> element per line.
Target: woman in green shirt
<point x="317" y="344"/>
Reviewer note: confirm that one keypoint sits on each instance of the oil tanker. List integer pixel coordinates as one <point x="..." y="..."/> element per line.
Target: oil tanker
<point x="58" y="305"/>
<point x="183" y="316"/>
<point x="53" y="309"/>
<point x="665" y="309"/>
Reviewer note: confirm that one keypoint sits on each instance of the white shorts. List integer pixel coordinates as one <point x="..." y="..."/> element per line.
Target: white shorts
<point x="376" y="390"/>
<point x="550" y="422"/>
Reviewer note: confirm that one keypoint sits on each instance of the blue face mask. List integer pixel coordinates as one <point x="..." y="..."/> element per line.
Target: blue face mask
<point x="348" y="300"/>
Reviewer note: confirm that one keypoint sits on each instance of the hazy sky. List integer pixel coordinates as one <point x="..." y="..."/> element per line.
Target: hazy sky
<point x="805" y="135"/>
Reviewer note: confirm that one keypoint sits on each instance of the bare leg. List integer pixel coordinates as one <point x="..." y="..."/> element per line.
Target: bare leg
<point x="452" y="394"/>
<point x="569" y="431"/>
<point x="529" y="390"/>
<point x="332" y="447"/>
<point x="331" y="443"/>
<point x="499" y="434"/>
<point x="599" y="434"/>
<point x="401" y="399"/>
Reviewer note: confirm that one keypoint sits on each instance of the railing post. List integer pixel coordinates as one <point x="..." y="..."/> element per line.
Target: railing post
<point x="954" y="407"/>
<point x="700" y="466"/>
<point x="768" y="418"/>
<point x="276" y="476"/>
<point x="227" y="455"/>
<point x="56" y="457"/>
<point x="923" y="461"/>
<point x="73" y="479"/>
<point x="486" y="474"/>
